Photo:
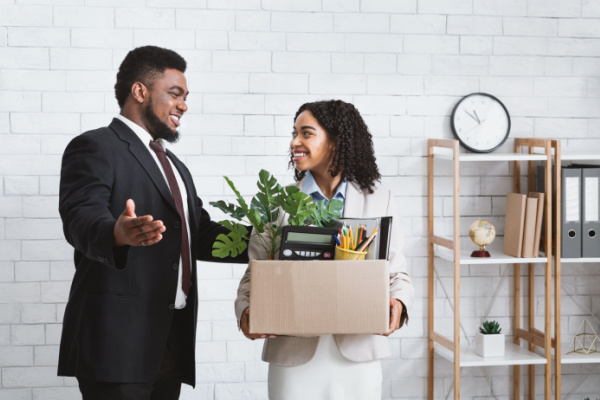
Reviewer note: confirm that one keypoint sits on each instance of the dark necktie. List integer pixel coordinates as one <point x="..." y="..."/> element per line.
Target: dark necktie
<point x="185" y="246"/>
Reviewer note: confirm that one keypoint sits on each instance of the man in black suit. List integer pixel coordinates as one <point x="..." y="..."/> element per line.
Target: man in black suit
<point x="130" y="322"/>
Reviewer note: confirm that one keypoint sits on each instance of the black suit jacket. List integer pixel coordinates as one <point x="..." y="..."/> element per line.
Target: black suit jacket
<point x="120" y="306"/>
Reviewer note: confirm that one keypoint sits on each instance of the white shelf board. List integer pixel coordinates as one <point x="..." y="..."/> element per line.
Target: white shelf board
<point x="579" y="358"/>
<point x="446" y="154"/>
<point x="514" y="355"/>
<point x="495" y="250"/>
<point x="579" y="260"/>
<point x="574" y="157"/>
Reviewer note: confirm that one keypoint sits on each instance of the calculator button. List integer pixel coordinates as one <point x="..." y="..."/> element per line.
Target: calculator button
<point x="312" y="253"/>
<point x="327" y="255"/>
<point x="287" y="252"/>
<point x="317" y="254"/>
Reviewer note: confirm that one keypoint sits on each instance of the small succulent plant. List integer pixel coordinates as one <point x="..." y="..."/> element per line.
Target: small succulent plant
<point x="490" y="328"/>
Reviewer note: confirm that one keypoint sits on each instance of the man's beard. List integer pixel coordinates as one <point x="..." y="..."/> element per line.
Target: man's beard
<point x="157" y="128"/>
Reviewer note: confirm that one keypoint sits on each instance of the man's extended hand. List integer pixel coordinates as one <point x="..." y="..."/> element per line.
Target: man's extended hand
<point x="245" y="325"/>
<point x="395" y="313"/>
<point x="136" y="231"/>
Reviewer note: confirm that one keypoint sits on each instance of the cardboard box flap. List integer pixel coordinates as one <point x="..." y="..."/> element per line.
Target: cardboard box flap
<point x="308" y="298"/>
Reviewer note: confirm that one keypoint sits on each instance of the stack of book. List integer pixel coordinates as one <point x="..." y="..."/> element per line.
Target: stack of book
<point x="523" y="226"/>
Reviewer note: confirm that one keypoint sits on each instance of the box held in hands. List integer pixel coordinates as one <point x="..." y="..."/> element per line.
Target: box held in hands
<point x="311" y="298"/>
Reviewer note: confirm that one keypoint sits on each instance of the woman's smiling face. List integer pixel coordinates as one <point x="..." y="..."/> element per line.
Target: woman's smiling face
<point x="311" y="147"/>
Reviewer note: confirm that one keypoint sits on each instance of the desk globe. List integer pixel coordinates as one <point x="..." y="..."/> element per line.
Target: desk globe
<point x="482" y="233"/>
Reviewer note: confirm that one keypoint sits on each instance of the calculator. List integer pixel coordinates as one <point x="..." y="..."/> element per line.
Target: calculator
<point x="307" y="243"/>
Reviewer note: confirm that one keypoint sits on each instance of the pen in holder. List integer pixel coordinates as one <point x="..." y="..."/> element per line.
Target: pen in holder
<point x="344" y="254"/>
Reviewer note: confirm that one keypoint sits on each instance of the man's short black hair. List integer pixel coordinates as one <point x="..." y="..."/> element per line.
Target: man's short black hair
<point x="145" y="64"/>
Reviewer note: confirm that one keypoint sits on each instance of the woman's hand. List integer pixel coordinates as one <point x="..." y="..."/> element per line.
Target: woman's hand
<point x="245" y="325"/>
<point x="395" y="313"/>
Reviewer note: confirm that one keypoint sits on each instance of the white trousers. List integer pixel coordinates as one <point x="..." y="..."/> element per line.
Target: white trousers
<point x="328" y="376"/>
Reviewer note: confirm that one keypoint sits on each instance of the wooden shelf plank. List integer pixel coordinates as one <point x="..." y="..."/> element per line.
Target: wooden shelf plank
<point x="496" y="253"/>
<point x="579" y="260"/>
<point x="444" y="154"/>
<point x="580" y="358"/>
<point x="514" y="355"/>
<point x="574" y="157"/>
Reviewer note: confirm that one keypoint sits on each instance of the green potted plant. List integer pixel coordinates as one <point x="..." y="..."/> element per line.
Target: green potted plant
<point x="271" y="208"/>
<point x="489" y="341"/>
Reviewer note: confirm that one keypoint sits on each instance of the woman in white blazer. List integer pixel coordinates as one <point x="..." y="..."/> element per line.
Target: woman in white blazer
<point x="333" y="157"/>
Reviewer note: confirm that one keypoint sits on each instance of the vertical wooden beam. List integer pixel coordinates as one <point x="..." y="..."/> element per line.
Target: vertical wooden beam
<point x="517" y="284"/>
<point x="456" y="204"/>
<point x="557" y="267"/>
<point x="517" y="325"/>
<point x="430" y="275"/>
<point x="548" y="276"/>
<point x="531" y="325"/>
<point x="531" y="303"/>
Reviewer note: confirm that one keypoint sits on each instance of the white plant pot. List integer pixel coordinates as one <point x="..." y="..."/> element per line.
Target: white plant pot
<point x="489" y="345"/>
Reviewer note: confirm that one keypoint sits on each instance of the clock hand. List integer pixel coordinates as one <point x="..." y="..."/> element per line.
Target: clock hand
<point x="477" y="116"/>
<point x="472" y="116"/>
<point x="476" y="126"/>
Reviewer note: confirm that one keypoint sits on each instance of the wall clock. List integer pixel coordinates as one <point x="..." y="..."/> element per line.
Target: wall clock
<point x="480" y="122"/>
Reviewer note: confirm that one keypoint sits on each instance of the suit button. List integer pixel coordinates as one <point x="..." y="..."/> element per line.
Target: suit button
<point x="171" y="306"/>
<point x="176" y="224"/>
<point x="176" y="266"/>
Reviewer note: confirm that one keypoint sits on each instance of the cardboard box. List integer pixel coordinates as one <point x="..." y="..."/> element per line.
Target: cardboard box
<point x="310" y="298"/>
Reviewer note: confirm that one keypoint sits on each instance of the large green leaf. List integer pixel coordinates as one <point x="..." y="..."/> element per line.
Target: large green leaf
<point x="299" y="206"/>
<point x="252" y="215"/>
<point x="270" y="193"/>
<point x="231" y="244"/>
<point x="236" y="228"/>
<point x="228" y="208"/>
<point x="267" y="216"/>
<point x="325" y="213"/>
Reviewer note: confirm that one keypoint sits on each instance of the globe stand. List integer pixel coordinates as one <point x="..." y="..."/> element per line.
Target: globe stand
<point x="482" y="252"/>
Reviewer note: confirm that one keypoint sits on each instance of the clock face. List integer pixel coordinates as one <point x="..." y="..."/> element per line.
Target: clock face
<point x="480" y="122"/>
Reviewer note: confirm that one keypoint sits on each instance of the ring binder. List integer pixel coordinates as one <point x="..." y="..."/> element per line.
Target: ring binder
<point x="571" y="213"/>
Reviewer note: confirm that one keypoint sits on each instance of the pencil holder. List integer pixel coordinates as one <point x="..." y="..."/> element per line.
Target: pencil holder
<point x="343" y="254"/>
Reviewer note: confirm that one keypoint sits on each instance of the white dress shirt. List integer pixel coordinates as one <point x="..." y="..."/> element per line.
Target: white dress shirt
<point x="145" y="137"/>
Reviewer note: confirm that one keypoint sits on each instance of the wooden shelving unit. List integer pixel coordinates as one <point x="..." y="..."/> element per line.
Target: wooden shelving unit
<point x="560" y="358"/>
<point x="450" y="249"/>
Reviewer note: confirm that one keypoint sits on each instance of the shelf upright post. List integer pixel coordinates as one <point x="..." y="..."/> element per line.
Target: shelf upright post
<point x="548" y="275"/>
<point x="456" y="224"/>
<point x="454" y="245"/>
<point x="430" y="274"/>
<point x="557" y="268"/>
<point x="534" y="334"/>
<point x="517" y="286"/>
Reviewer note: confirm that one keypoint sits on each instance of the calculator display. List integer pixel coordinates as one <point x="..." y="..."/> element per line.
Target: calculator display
<point x="308" y="238"/>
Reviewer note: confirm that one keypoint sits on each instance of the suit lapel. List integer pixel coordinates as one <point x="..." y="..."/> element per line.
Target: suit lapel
<point x="354" y="203"/>
<point x="143" y="156"/>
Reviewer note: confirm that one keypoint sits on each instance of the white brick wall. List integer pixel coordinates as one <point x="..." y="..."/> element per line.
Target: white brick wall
<point x="251" y="64"/>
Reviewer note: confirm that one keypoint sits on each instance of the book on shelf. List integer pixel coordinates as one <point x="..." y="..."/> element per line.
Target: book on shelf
<point x="539" y="218"/>
<point x="523" y="226"/>
<point x="514" y="224"/>
<point x="527" y="248"/>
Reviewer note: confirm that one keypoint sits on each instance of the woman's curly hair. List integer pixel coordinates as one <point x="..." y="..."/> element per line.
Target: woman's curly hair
<point x="353" y="157"/>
